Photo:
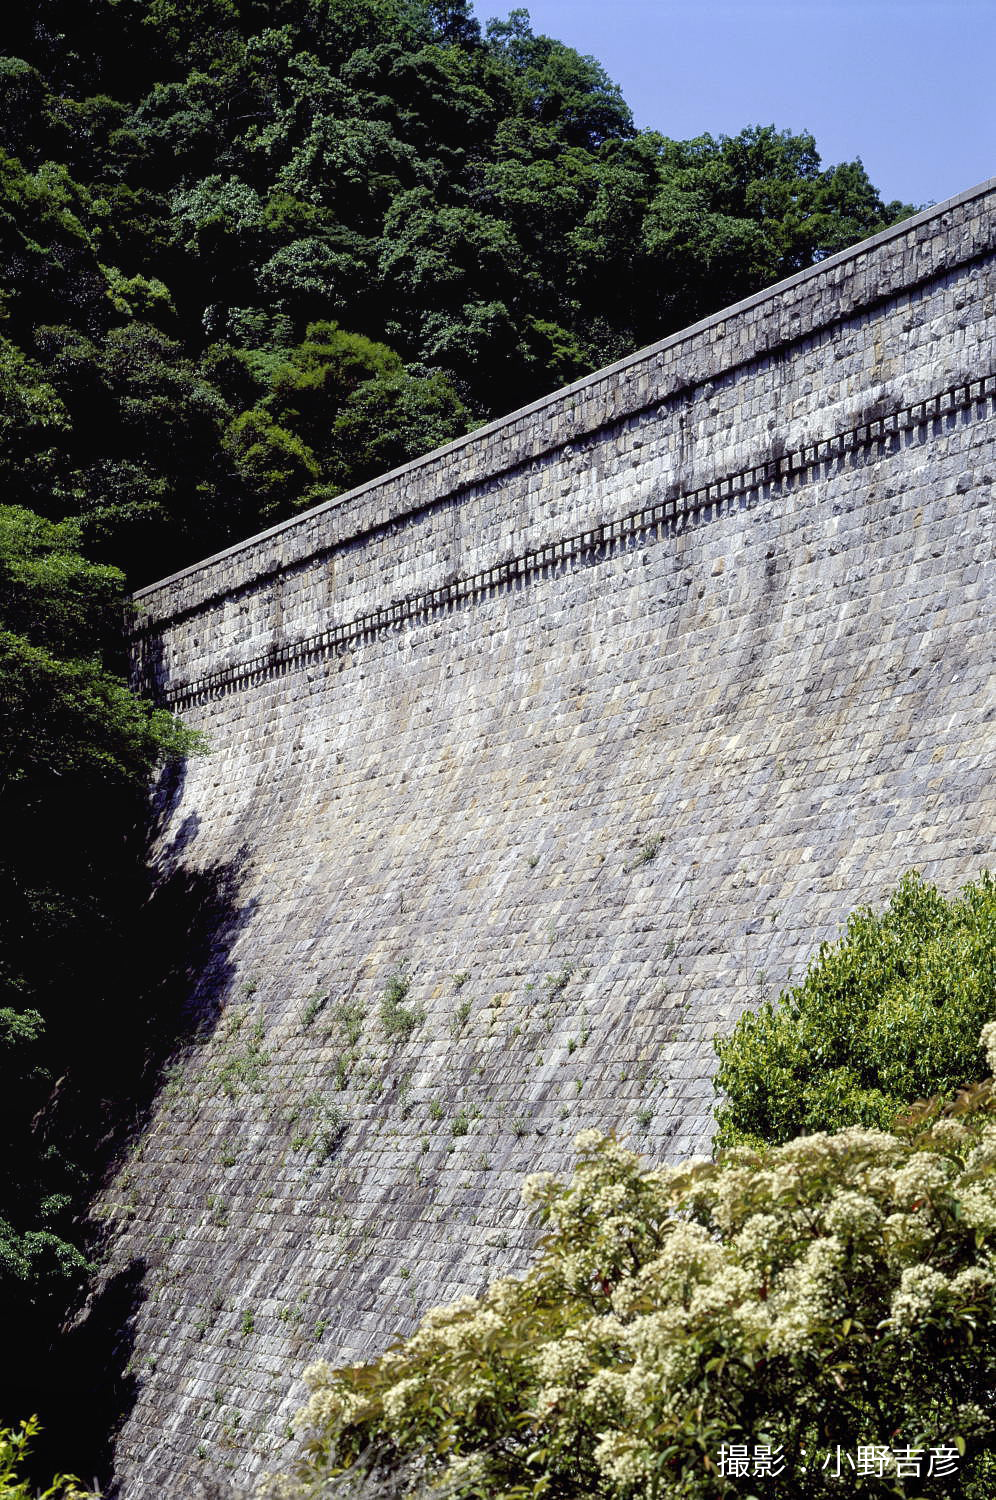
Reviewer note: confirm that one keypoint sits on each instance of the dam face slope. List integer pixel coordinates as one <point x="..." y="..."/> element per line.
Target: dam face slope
<point x="532" y="765"/>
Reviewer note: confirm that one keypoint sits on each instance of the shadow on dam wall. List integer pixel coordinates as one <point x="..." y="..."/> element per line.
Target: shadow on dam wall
<point x="80" y="1378"/>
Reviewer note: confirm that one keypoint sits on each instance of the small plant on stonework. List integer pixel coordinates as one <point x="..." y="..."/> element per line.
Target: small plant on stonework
<point x="644" y="1116"/>
<point x="650" y="849"/>
<point x="312" y="1006"/>
<point x="248" y="1323"/>
<point x="397" y="1019"/>
<point x="244" y="1069"/>
<point x="330" y="1127"/>
<point x="461" y="1124"/>
<point x="520" y="1127"/>
<point x="172" y="1077"/>
<point x="217" y="1211"/>
<point x="647" y="851"/>
<point x="557" y="983"/>
<point x="348" y="1020"/>
<point x="404" y="1095"/>
<point x="435" y="1109"/>
<point x="459" y="980"/>
<point x="346" y="1027"/>
<point x="460" y="1016"/>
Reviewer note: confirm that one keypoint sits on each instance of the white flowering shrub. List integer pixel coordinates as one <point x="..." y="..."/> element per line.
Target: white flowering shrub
<point x="835" y="1291"/>
<point x="888" y="1015"/>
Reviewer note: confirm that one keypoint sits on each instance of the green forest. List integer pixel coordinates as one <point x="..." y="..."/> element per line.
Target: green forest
<point x="255" y="252"/>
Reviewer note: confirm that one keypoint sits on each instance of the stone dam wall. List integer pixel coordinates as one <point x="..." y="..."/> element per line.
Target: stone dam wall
<point x="532" y="764"/>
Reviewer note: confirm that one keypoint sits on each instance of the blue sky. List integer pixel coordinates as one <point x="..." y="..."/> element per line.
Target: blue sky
<point x="907" y="85"/>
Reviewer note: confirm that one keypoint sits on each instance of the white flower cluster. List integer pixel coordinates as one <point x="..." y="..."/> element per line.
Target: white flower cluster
<point x="622" y="1460"/>
<point x="534" y="1189"/>
<point x="988" y="1040"/>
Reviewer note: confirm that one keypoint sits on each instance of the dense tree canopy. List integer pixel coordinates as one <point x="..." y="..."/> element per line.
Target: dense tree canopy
<point x="255" y="252"/>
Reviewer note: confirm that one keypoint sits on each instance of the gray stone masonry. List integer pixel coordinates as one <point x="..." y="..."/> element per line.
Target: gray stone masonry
<point x="532" y="764"/>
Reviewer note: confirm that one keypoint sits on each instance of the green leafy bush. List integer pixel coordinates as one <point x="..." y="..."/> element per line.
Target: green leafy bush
<point x="888" y="1015"/>
<point x="792" y="1296"/>
<point x="14" y="1450"/>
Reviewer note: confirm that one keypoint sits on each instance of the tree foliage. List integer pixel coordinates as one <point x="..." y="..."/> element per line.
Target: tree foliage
<point x="15" y="1449"/>
<point x="889" y="1015"/>
<point x="76" y="750"/>
<point x="179" y="210"/>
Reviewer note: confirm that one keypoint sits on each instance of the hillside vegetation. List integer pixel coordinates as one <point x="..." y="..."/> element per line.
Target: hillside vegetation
<point x="254" y="253"/>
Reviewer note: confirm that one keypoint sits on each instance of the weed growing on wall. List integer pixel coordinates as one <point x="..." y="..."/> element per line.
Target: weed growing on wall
<point x="555" y="984"/>
<point x="314" y="1003"/>
<point x="346" y="1029"/>
<point x="243" y="1069"/>
<point x="460" y="1016"/>
<point x="399" y="1020"/>
<point x="647" y="852"/>
<point x="329" y="1128"/>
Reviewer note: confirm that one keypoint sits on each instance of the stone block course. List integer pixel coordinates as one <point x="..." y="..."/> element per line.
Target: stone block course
<point x="617" y="706"/>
